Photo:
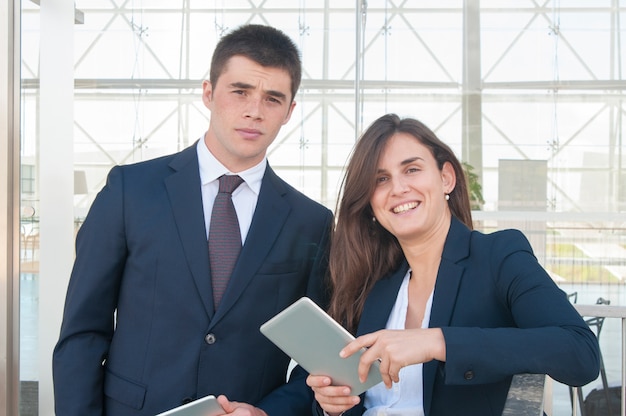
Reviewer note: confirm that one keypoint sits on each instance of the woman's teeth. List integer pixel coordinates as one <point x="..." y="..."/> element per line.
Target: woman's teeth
<point x="405" y="207"/>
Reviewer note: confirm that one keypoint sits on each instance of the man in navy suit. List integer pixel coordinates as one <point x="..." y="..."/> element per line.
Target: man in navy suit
<point x="141" y="333"/>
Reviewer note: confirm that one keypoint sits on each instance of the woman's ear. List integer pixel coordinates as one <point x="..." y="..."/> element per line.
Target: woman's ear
<point x="448" y="177"/>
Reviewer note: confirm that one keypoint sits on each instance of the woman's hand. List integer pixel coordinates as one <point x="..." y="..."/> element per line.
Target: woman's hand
<point x="237" y="408"/>
<point x="396" y="349"/>
<point x="333" y="399"/>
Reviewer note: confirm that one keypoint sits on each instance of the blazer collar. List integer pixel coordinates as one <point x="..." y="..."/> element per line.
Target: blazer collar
<point x="184" y="190"/>
<point x="455" y="249"/>
<point x="383" y="296"/>
<point x="381" y="300"/>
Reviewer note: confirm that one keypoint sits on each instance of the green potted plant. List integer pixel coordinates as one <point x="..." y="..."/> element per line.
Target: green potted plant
<point x="474" y="187"/>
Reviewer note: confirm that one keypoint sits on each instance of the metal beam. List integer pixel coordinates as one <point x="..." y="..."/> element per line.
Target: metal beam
<point x="79" y="16"/>
<point x="9" y="206"/>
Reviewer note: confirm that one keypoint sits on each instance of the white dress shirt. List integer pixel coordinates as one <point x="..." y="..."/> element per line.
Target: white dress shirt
<point x="245" y="196"/>
<point x="405" y="398"/>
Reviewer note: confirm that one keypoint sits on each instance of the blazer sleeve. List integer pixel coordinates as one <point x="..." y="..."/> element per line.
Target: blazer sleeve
<point x="546" y="335"/>
<point x="88" y="318"/>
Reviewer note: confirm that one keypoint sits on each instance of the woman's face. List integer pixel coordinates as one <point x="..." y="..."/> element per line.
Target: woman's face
<point x="409" y="197"/>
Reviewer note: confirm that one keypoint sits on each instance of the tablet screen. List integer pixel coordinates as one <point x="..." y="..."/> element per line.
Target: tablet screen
<point x="206" y="406"/>
<point x="313" y="339"/>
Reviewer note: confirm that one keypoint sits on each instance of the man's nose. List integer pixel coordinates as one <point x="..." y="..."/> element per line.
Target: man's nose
<point x="253" y="108"/>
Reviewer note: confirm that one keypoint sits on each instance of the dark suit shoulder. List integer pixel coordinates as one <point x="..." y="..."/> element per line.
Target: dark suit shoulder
<point x="152" y="171"/>
<point x="173" y="161"/>
<point x="508" y="240"/>
<point x="471" y="246"/>
<point x="296" y="197"/>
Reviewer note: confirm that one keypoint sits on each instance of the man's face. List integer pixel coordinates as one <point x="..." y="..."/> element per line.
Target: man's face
<point x="249" y="104"/>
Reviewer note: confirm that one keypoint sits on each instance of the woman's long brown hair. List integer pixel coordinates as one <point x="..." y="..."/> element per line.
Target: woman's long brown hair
<point x="362" y="251"/>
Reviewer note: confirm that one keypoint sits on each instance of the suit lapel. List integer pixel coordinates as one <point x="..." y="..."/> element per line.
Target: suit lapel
<point x="184" y="189"/>
<point x="447" y="286"/>
<point x="380" y="302"/>
<point x="269" y="217"/>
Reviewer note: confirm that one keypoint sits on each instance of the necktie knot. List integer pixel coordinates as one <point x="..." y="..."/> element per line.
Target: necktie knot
<point x="228" y="183"/>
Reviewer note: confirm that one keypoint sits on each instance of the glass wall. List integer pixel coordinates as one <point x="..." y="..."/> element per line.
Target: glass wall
<point x="528" y="93"/>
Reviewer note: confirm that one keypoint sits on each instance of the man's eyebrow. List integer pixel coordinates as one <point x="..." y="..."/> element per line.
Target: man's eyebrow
<point x="245" y="86"/>
<point x="276" y="94"/>
<point x="242" y="85"/>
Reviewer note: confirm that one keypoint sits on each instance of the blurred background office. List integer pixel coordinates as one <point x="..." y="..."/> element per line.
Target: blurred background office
<point x="529" y="94"/>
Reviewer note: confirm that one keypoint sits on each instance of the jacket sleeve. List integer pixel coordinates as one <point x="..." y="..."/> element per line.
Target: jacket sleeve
<point x="88" y="318"/>
<point x="546" y="335"/>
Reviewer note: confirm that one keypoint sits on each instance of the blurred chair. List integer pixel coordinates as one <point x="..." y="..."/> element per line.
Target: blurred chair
<point x="595" y="324"/>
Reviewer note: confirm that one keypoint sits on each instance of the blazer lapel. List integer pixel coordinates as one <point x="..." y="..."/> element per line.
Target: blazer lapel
<point x="380" y="301"/>
<point x="269" y="216"/>
<point x="184" y="189"/>
<point x="447" y="286"/>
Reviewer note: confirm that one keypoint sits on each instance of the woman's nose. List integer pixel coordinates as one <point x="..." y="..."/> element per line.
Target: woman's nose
<point x="399" y="185"/>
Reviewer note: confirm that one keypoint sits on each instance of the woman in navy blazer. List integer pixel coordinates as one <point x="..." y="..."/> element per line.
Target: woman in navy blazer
<point x="451" y="314"/>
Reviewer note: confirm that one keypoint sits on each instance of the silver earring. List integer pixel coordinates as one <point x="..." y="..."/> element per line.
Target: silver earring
<point x="373" y="219"/>
<point x="447" y="197"/>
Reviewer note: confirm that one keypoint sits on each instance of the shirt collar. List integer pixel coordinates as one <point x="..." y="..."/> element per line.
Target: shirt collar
<point x="211" y="169"/>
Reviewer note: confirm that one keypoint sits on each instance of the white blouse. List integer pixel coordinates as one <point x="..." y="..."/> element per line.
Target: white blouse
<point x="405" y="398"/>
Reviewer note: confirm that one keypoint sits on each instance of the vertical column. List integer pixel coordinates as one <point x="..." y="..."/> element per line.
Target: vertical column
<point x="472" y="88"/>
<point x="9" y="206"/>
<point x="55" y="180"/>
<point x="361" y="16"/>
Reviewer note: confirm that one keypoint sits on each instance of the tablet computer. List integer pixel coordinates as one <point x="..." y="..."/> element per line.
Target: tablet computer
<point x="313" y="339"/>
<point x="206" y="406"/>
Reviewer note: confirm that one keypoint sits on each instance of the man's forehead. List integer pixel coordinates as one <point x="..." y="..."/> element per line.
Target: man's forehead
<point x="245" y="73"/>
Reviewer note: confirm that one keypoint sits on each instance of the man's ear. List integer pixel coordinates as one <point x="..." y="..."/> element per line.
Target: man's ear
<point x="207" y="93"/>
<point x="292" y="105"/>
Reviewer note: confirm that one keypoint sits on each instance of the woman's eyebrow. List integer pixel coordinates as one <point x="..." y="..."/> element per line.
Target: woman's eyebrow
<point x="403" y="163"/>
<point x="411" y="160"/>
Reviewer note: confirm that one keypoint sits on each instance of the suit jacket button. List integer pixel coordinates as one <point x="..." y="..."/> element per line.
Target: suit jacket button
<point x="209" y="339"/>
<point x="468" y="375"/>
